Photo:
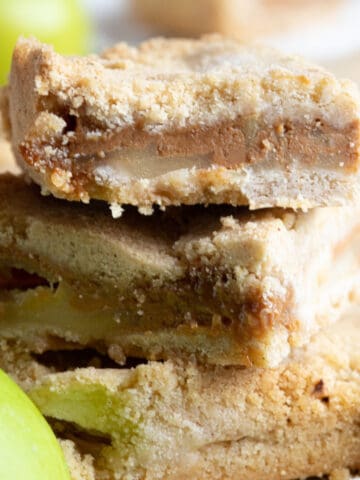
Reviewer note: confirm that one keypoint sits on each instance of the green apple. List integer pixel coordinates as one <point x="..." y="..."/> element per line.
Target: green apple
<point x="28" y="447"/>
<point x="103" y="402"/>
<point x="61" y="23"/>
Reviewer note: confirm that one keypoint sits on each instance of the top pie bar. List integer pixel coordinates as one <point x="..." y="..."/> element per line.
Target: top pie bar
<point x="184" y="122"/>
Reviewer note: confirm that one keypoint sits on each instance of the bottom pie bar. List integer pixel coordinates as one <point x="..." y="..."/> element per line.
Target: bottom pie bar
<point x="222" y="284"/>
<point x="177" y="420"/>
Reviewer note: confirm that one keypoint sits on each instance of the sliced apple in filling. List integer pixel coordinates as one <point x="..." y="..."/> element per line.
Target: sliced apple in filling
<point x="179" y="419"/>
<point x="220" y="283"/>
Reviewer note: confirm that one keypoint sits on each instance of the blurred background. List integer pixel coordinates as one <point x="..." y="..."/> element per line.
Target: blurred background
<point x="326" y="31"/>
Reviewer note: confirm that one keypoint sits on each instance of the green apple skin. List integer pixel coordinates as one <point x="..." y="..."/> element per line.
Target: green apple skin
<point x="61" y="23"/>
<point x="28" y="447"/>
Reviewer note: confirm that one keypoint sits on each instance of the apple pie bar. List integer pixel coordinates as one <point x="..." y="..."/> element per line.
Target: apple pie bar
<point x="223" y="284"/>
<point x="185" y="122"/>
<point x="178" y="419"/>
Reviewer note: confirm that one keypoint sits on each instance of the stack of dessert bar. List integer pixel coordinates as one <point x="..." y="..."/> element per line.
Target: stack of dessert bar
<point x="196" y="331"/>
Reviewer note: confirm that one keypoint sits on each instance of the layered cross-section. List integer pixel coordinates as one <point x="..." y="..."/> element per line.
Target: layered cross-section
<point x="185" y="122"/>
<point x="223" y="284"/>
<point x="178" y="419"/>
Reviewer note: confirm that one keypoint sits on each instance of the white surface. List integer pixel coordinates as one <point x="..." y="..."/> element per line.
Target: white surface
<point x="323" y="41"/>
<point x="335" y="38"/>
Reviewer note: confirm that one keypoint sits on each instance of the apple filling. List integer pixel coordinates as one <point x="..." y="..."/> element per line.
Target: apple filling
<point x="87" y="441"/>
<point x="121" y="165"/>
<point x="58" y="317"/>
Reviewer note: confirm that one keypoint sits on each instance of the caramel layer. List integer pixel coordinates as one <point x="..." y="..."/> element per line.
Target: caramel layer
<point x="101" y="165"/>
<point x="232" y="144"/>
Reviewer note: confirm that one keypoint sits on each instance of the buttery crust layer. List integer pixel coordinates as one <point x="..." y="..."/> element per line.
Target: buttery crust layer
<point x="185" y="122"/>
<point x="178" y="420"/>
<point x="223" y="284"/>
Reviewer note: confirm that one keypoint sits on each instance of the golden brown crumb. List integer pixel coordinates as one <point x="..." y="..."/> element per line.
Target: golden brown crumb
<point x="185" y="122"/>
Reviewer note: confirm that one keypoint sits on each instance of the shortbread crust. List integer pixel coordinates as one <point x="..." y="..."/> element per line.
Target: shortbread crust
<point x="221" y="283"/>
<point x="185" y="122"/>
<point x="178" y="420"/>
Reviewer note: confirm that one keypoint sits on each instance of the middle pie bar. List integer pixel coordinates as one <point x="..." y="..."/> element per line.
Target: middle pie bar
<point x="221" y="283"/>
